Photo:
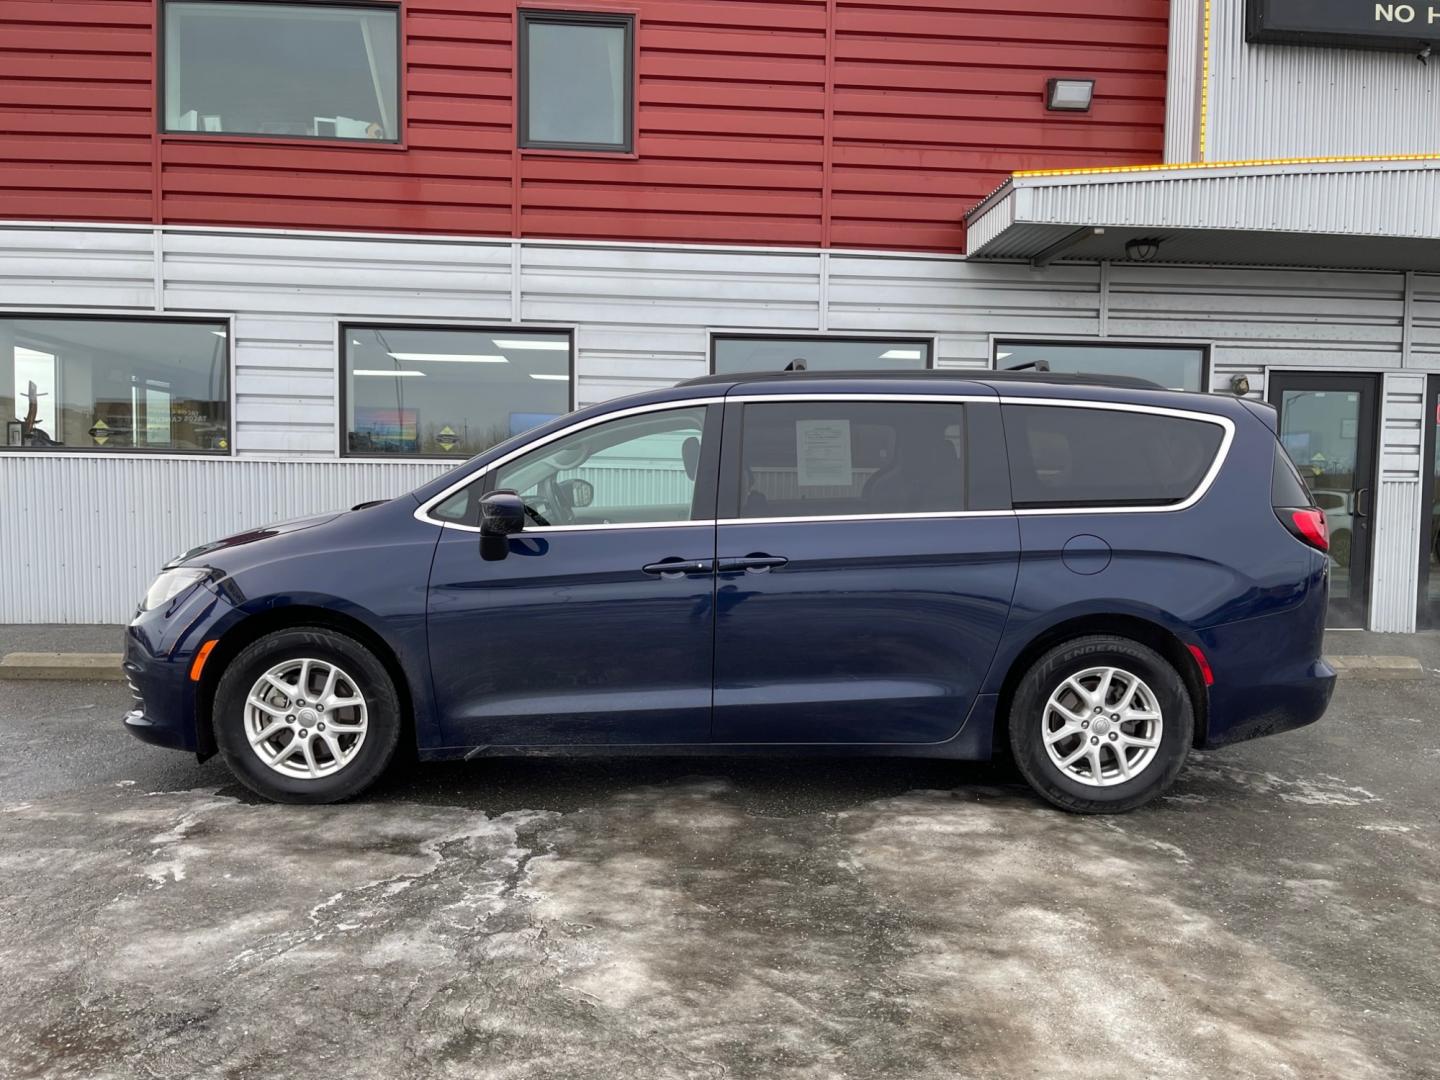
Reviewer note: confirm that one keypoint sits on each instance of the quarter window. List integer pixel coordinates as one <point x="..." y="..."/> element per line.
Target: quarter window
<point x="304" y="70"/>
<point x="635" y="469"/>
<point x="115" y="385"/>
<point x="576" y="81"/>
<point x="736" y="354"/>
<point x="443" y="392"/>
<point x="1064" y="456"/>
<point x="828" y="459"/>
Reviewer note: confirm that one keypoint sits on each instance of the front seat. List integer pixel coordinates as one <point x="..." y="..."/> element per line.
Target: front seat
<point x="926" y="474"/>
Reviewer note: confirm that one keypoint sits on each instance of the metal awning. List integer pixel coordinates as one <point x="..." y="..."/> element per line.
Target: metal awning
<point x="1356" y="213"/>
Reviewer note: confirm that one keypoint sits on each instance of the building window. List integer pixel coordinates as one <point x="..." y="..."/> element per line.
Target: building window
<point x="300" y="70"/>
<point x="449" y="392"/>
<point x="733" y="354"/>
<point x="115" y="385"/>
<point x="1178" y="367"/>
<point x="576" y="81"/>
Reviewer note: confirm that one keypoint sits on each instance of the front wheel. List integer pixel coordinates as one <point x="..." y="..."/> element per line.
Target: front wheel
<point x="306" y="716"/>
<point x="1101" y="725"/>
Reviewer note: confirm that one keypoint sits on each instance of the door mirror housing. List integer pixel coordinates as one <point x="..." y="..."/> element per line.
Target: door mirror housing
<point x="502" y="514"/>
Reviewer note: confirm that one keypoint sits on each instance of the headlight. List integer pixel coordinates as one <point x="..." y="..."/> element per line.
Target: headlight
<point x="170" y="584"/>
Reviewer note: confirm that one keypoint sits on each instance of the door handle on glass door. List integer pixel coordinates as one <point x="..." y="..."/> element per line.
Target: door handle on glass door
<point x="756" y="564"/>
<point x="673" y="568"/>
<point x="1360" y="497"/>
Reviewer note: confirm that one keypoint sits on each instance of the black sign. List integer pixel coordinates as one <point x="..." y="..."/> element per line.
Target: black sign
<point x="1362" y="24"/>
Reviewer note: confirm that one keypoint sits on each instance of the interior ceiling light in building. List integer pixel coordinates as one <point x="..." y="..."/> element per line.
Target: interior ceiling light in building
<point x="390" y="374"/>
<point x="548" y="346"/>
<point x="554" y="378"/>
<point x="902" y="354"/>
<point x="447" y="358"/>
<point x="1069" y="95"/>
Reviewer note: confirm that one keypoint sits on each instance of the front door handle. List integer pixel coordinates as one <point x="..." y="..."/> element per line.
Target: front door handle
<point x="674" y="568"/>
<point x="755" y="564"/>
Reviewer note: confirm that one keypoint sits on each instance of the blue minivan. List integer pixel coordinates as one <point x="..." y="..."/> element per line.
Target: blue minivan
<point x="1093" y="573"/>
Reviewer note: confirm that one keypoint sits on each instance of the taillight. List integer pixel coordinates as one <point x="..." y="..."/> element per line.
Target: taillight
<point x="1306" y="524"/>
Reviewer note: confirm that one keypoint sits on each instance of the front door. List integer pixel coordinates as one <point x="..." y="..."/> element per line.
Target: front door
<point x="597" y="625"/>
<point x="861" y="592"/>
<point x="1328" y="425"/>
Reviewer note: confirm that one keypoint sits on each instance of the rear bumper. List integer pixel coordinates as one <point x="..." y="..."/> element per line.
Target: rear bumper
<point x="1269" y="674"/>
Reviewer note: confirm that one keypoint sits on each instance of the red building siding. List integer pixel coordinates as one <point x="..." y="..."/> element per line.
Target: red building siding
<point x="798" y="122"/>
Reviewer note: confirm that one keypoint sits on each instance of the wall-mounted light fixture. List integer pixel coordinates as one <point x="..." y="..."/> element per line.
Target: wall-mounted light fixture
<point x="1069" y="95"/>
<point x="1144" y="249"/>
<point x="1239" y="385"/>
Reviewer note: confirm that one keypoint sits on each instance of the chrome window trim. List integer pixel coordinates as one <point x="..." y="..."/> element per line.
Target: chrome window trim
<point x="1223" y="422"/>
<point x="1226" y="424"/>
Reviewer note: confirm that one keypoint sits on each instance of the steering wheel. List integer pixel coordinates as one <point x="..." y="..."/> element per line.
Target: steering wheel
<point x="557" y="509"/>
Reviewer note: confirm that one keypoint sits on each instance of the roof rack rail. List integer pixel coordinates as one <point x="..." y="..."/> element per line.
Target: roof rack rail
<point x="1128" y="382"/>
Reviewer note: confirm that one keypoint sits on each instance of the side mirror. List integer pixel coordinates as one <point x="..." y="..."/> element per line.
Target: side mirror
<point x="502" y="514"/>
<point x="579" y="493"/>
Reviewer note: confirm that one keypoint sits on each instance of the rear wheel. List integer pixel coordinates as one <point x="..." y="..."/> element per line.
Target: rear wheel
<point x="1100" y="725"/>
<point x="307" y="716"/>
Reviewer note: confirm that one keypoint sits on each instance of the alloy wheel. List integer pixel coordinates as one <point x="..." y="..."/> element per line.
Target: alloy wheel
<point x="305" y="718"/>
<point x="1102" y="726"/>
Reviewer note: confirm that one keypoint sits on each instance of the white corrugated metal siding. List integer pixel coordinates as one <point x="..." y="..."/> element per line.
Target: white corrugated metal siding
<point x="1269" y="101"/>
<point x="82" y="534"/>
<point x="1182" y="89"/>
<point x="1398" y="505"/>
<point x="1384" y="199"/>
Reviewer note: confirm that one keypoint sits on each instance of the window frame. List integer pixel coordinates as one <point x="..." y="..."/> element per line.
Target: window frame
<point x="161" y="51"/>
<point x="928" y="342"/>
<point x="705" y="483"/>
<point x="1207" y="479"/>
<point x="525" y="17"/>
<point x="1205" y="348"/>
<point x="226" y="320"/>
<point x="342" y="382"/>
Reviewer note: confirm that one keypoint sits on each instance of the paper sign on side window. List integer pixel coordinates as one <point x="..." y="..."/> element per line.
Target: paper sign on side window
<point x="822" y="453"/>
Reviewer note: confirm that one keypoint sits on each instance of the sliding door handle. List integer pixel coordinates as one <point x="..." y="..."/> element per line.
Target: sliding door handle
<point x="755" y="564"/>
<point x="674" y="568"/>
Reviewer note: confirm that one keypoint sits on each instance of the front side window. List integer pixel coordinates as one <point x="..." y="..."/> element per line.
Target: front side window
<point x="1176" y="367"/>
<point x="115" y="385"/>
<point x="1063" y="456"/>
<point x="829" y="459"/>
<point x="740" y="354"/>
<point x="442" y="392"/>
<point x="632" y="470"/>
<point x="576" y="81"/>
<point x="303" y="70"/>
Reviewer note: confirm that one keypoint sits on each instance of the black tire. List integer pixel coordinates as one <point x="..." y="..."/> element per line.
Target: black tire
<point x="1027" y="720"/>
<point x="372" y="681"/>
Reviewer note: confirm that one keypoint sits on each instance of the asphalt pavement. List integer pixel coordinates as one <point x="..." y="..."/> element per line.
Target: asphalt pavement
<point x="1274" y="916"/>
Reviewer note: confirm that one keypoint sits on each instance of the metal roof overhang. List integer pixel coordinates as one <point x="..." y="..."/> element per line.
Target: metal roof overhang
<point x="1348" y="214"/>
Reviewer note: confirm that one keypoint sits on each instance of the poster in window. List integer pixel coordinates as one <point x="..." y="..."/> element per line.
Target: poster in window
<point x="393" y="431"/>
<point x="822" y="453"/>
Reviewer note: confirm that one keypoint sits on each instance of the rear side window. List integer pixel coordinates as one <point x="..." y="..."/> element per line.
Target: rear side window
<point x="1287" y="487"/>
<point x="1066" y="456"/>
<point x="829" y="459"/>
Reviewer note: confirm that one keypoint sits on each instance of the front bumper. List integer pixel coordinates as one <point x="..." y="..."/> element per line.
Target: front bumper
<point x="160" y="646"/>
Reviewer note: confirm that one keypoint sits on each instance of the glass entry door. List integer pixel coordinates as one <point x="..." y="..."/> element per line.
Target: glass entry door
<point x="1430" y="513"/>
<point x="1327" y="423"/>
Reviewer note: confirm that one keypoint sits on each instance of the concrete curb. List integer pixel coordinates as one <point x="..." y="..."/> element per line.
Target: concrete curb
<point x="83" y="667"/>
<point x="1377" y="667"/>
